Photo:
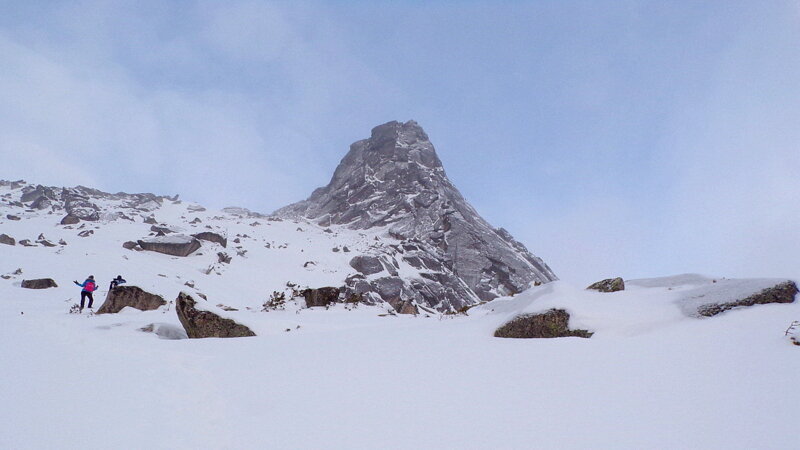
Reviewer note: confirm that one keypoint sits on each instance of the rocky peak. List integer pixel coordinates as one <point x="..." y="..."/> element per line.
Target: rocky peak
<point x="395" y="180"/>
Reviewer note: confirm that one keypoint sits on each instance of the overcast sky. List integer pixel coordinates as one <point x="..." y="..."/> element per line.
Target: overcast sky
<point x="626" y="138"/>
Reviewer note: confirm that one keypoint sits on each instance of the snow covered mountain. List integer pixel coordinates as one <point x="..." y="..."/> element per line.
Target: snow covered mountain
<point x="133" y="379"/>
<point x="395" y="182"/>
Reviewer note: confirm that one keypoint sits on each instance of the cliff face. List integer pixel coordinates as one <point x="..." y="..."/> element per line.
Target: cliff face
<point x="395" y="180"/>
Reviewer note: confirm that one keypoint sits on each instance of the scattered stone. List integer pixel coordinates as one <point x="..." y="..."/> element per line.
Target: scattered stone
<point x="551" y="324"/>
<point x="41" y="283"/>
<point x="323" y="296"/>
<point x="345" y="249"/>
<point x="151" y="220"/>
<point x="223" y="258"/>
<point x="12" y="217"/>
<point x="190" y="284"/>
<point x="130" y="245"/>
<point x="237" y="240"/>
<point x="27" y="243"/>
<point x="133" y="296"/>
<point x="212" y="237"/>
<point x="86" y="233"/>
<point x="196" y="220"/>
<point x="176" y="245"/>
<point x="62" y="242"/>
<point x="336" y="249"/>
<point x="46" y="243"/>
<point x="608" y="285"/>
<point x="204" y="324"/>
<point x="8" y="240"/>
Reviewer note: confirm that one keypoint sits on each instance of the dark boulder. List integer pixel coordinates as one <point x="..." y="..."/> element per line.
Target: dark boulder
<point x="780" y="293"/>
<point x="69" y="219"/>
<point x="212" y="237"/>
<point x="8" y="240"/>
<point x="608" y="285"/>
<point x="130" y="245"/>
<point x="323" y="296"/>
<point x="27" y="243"/>
<point x="12" y="217"/>
<point x="367" y="264"/>
<point x="551" y="324"/>
<point x="41" y="283"/>
<point x="176" y="245"/>
<point x="41" y="203"/>
<point x="162" y="230"/>
<point x="133" y="296"/>
<point x="199" y="323"/>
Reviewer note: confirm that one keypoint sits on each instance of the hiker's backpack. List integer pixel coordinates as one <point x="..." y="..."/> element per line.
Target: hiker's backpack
<point x="90" y="286"/>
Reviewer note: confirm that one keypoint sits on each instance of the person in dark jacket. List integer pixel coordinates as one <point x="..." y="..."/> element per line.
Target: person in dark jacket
<point x="116" y="282"/>
<point x="88" y="286"/>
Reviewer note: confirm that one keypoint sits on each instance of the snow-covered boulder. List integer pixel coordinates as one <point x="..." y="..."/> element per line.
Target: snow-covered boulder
<point x="608" y="285"/>
<point x="550" y="324"/>
<point x="200" y="322"/>
<point x="710" y="302"/>
<point x="41" y="283"/>
<point x="165" y="331"/>
<point x="130" y="296"/>
<point x="175" y="245"/>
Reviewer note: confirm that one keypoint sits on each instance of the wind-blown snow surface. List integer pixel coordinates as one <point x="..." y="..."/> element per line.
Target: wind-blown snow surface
<point x="650" y="377"/>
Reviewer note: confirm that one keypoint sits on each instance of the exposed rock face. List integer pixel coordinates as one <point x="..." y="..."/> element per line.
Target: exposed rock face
<point x="212" y="237"/>
<point x="394" y="180"/>
<point x="367" y="264"/>
<point x="8" y="240"/>
<point x="41" y="283"/>
<point x="321" y="297"/>
<point x="551" y="324"/>
<point x="69" y="219"/>
<point x="133" y="296"/>
<point x="608" y="285"/>
<point x="204" y="324"/>
<point x="780" y="293"/>
<point x="176" y="245"/>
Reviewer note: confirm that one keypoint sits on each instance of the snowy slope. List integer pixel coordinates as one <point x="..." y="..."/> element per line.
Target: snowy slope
<point x="652" y="376"/>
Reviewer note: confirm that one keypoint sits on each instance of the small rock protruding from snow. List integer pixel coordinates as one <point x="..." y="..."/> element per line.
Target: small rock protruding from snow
<point x="202" y="323"/>
<point x="550" y="324"/>
<point x="608" y="285"/>
<point x="41" y="283"/>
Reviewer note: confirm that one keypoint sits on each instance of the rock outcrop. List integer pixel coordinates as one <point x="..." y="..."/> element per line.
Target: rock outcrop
<point x="550" y="324"/>
<point x="784" y="292"/>
<point x="212" y="237"/>
<point x="395" y="181"/>
<point x="175" y="245"/>
<point x="608" y="285"/>
<point x="200" y="323"/>
<point x="41" y="283"/>
<point x="323" y="296"/>
<point x="133" y="296"/>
